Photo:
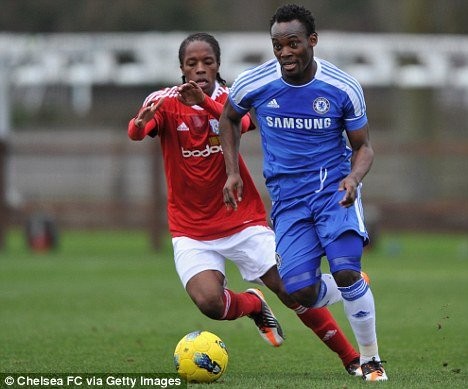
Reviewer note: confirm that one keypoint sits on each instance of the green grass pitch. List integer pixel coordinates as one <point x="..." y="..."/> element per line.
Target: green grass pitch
<point x="104" y="302"/>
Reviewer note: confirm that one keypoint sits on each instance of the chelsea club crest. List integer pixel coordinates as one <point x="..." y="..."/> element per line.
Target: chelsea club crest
<point x="278" y="259"/>
<point x="321" y="105"/>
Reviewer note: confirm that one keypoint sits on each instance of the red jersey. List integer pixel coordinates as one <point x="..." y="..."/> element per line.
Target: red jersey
<point x="194" y="167"/>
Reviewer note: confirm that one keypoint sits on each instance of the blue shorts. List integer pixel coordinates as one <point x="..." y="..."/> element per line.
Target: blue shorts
<point x="306" y="226"/>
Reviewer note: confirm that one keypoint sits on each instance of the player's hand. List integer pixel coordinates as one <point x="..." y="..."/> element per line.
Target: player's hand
<point x="349" y="185"/>
<point x="232" y="191"/>
<point x="147" y="113"/>
<point x="190" y="93"/>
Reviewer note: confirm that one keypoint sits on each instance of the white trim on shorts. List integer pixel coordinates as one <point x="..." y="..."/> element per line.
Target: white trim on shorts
<point x="252" y="250"/>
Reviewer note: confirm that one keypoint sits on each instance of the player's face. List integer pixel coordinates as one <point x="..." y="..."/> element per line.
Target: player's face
<point x="294" y="50"/>
<point x="200" y="65"/>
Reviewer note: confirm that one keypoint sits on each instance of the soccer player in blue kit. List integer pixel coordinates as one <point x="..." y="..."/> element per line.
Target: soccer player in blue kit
<point x="303" y="106"/>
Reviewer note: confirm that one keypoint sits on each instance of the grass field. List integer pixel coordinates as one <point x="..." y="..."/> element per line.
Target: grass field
<point x="104" y="302"/>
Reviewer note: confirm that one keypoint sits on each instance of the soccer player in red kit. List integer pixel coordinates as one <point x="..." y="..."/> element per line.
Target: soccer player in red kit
<point x="204" y="231"/>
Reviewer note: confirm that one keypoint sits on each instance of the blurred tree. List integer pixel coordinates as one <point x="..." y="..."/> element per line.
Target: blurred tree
<point x="418" y="16"/>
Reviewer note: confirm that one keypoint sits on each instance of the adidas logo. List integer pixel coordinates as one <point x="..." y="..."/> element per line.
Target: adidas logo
<point x="273" y="104"/>
<point x="361" y="314"/>
<point x="182" y="127"/>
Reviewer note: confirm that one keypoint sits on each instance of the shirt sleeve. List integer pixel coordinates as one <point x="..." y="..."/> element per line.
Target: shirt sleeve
<point x="355" y="109"/>
<point x="212" y="107"/>
<point x="138" y="133"/>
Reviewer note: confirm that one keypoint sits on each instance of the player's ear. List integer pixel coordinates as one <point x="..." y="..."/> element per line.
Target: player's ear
<point x="313" y="39"/>
<point x="182" y="70"/>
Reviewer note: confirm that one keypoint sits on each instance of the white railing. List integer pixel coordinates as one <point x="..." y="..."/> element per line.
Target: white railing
<point x="83" y="60"/>
<point x="151" y="58"/>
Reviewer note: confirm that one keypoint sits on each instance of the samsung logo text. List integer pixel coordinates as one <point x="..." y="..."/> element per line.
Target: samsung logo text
<point x="299" y="123"/>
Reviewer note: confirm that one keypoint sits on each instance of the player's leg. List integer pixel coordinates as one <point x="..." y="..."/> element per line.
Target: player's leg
<point x="344" y="255"/>
<point x="320" y="321"/>
<point x="258" y="252"/>
<point x="244" y="249"/>
<point x="207" y="291"/>
<point x="201" y="270"/>
<point x="343" y="237"/>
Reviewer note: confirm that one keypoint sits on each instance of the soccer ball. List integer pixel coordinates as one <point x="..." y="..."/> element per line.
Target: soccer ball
<point x="200" y="356"/>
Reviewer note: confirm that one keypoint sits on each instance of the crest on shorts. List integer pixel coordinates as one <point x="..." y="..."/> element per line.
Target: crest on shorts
<point x="278" y="259"/>
<point x="321" y="105"/>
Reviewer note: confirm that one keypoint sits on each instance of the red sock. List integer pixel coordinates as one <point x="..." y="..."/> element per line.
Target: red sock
<point x="321" y="321"/>
<point x="239" y="304"/>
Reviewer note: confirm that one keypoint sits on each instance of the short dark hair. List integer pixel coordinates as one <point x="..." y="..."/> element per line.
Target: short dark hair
<point x="204" y="37"/>
<point x="289" y="12"/>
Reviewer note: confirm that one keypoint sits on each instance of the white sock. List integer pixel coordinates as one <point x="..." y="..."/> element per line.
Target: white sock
<point x="359" y="307"/>
<point x="329" y="293"/>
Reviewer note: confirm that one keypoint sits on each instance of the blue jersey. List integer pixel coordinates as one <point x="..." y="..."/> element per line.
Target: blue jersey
<point x="302" y="127"/>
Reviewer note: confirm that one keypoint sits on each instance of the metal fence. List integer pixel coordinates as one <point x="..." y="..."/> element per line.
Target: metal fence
<point x="87" y="174"/>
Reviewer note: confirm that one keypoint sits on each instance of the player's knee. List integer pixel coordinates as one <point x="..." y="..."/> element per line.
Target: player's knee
<point x="346" y="277"/>
<point x="286" y="298"/>
<point x="306" y="296"/>
<point x="272" y="281"/>
<point x="211" y="306"/>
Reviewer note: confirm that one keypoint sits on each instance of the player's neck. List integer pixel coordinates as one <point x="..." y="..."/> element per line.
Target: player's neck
<point x="305" y="77"/>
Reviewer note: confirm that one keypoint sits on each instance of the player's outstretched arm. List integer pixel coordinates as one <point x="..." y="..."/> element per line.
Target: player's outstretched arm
<point x="137" y="126"/>
<point x="147" y="113"/>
